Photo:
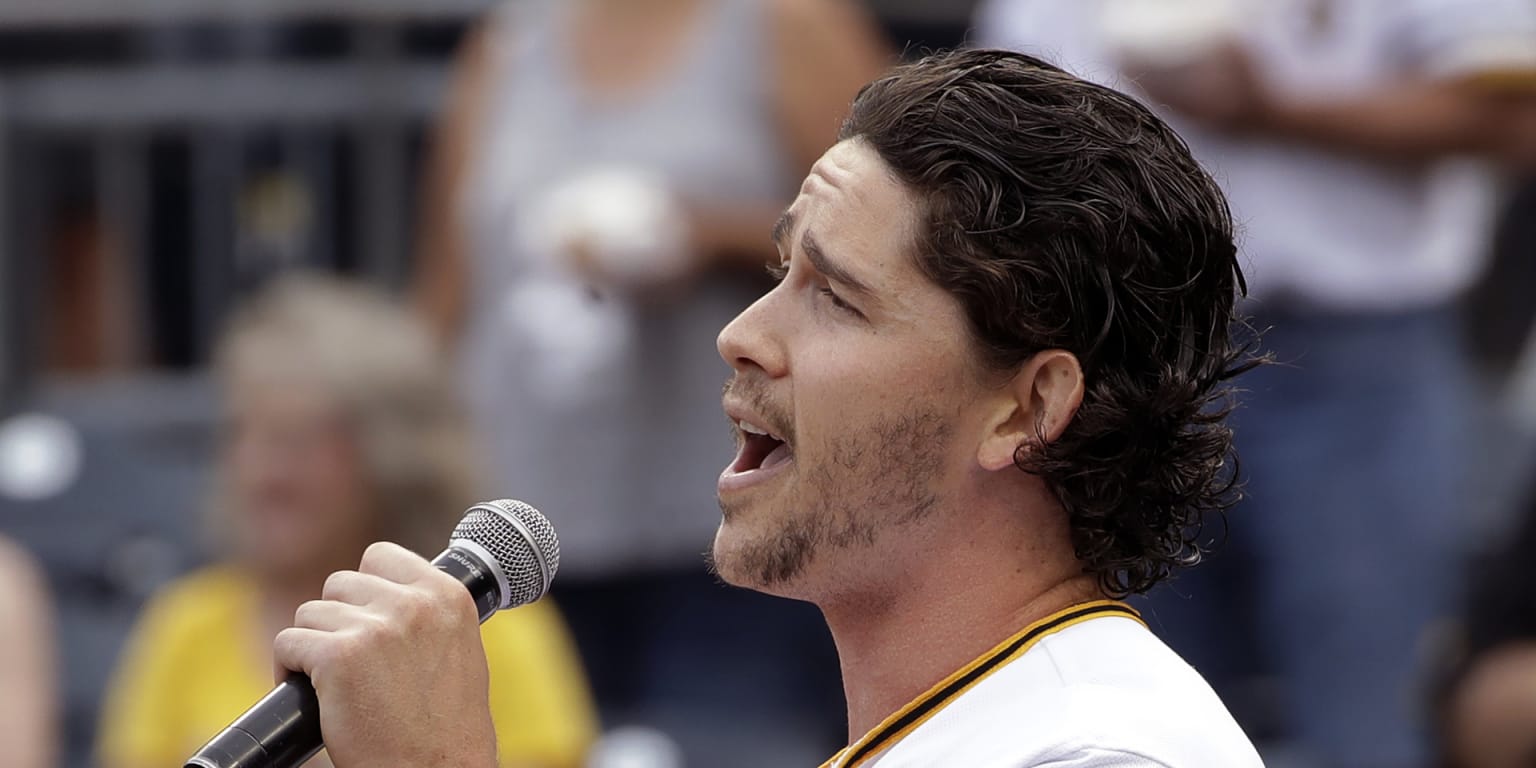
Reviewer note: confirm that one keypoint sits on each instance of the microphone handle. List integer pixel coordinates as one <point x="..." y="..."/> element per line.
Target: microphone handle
<point x="283" y="729"/>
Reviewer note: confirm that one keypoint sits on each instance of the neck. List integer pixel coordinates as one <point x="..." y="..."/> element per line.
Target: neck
<point x="939" y="616"/>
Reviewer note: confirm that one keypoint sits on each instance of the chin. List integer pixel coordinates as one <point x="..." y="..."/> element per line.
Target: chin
<point x="725" y="558"/>
<point x="772" y="562"/>
<point x="286" y="554"/>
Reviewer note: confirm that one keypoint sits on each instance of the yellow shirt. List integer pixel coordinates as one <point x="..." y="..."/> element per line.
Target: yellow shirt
<point x="193" y="665"/>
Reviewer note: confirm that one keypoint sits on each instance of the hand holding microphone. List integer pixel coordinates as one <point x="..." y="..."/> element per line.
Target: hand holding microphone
<point x="389" y="661"/>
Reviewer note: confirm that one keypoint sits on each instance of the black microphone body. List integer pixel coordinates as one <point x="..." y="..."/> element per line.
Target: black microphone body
<point x="283" y="729"/>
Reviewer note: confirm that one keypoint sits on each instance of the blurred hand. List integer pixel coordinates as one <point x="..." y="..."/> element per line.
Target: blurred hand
<point x="1222" y="91"/>
<point x="617" y="229"/>
<point x="394" y="652"/>
<point x="608" y="273"/>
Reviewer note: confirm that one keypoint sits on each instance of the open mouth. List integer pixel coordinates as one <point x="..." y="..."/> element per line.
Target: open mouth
<point x="760" y="449"/>
<point x="759" y="456"/>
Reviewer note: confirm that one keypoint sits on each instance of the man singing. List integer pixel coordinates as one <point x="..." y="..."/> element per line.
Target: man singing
<point x="984" y="400"/>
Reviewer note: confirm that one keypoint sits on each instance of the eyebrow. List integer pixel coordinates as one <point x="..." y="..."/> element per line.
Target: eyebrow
<point x="782" y="227"/>
<point x="818" y="257"/>
<point x="831" y="269"/>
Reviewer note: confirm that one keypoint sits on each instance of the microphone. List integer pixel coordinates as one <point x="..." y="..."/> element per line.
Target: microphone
<point x="504" y="552"/>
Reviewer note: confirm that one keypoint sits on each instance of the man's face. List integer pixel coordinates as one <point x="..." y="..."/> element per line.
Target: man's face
<point x="860" y="371"/>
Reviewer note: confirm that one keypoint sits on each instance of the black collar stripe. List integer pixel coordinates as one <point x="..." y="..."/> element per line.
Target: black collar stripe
<point x="942" y="696"/>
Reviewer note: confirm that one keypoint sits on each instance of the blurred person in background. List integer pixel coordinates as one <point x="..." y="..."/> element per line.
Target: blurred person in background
<point x="598" y="207"/>
<point x="341" y="430"/>
<point x="1337" y="128"/>
<point x="1486" y="705"/>
<point x="29" y="697"/>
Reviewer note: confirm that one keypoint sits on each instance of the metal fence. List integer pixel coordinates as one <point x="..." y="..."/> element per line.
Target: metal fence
<point x="205" y="105"/>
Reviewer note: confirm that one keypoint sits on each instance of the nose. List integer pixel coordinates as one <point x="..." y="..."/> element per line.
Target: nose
<point x="752" y="342"/>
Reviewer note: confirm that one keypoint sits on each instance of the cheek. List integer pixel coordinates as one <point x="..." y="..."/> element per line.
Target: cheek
<point x="875" y="379"/>
<point x="334" y="477"/>
<point x="319" y="472"/>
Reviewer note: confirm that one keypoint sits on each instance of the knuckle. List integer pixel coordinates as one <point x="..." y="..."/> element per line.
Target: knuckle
<point x="378" y="625"/>
<point x="458" y="602"/>
<point x="418" y="608"/>
<point x="370" y="624"/>
<point x="292" y="649"/>
<point x="305" y="614"/>
<point x="348" y="645"/>
<point x="285" y="643"/>
<point x="376" y="554"/>
<point x="444" y="591"/>
<point x="444" y="584"/>
<point x="335" y="583"/>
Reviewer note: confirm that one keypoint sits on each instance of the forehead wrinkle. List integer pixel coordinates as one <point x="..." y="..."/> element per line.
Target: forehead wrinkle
<point x="828" y="171"/>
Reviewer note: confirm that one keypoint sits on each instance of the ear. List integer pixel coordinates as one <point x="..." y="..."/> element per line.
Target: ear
<point x="1036" y="405"/>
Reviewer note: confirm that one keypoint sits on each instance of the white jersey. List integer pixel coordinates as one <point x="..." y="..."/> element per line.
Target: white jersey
<point x="1089" y="687"/>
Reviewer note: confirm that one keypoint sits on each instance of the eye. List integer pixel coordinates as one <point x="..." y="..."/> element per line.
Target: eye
<point x="837" y="301"/>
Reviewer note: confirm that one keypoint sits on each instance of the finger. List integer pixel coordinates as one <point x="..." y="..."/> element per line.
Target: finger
<point x="297" y="649"/>
<point x="395" y="563"/>
<point x="356" y="588"/>
<point x="329" y="615"/>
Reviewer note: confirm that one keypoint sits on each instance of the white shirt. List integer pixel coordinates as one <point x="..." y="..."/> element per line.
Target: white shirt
<point x="1089" y="687"/>
<point x="1332" y="229"/>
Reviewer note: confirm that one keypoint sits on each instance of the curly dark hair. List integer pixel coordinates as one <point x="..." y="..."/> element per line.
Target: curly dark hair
<point x="1065" y="215"/>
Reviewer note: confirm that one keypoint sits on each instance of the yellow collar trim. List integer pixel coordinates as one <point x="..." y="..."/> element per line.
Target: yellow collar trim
<point x="914" y="714"/>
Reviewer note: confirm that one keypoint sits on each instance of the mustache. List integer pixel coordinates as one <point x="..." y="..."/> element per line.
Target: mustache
<point x="755" y="394"/>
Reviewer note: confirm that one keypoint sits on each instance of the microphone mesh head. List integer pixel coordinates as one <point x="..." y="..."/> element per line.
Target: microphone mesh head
<point x="520" y="540"/>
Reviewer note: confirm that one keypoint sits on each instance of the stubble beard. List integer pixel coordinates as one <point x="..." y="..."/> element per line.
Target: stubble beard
<point x="871" y="485"/>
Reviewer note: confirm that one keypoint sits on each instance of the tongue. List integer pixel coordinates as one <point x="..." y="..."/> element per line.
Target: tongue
<point x="777" y="456"/>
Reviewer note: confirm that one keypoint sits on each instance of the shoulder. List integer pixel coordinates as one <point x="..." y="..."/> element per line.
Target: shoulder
<point x="202" y="599"/>
<point x="533" y="663"/>
<point x="23" y="596"/>
<point x="20" y="575"/>
<point x="1169" y="726"/>
<point x="535" y="629"/>
<point x="1105" y="691"/>
<point x="1123" y="691"/>
<point x="216" y="584"/>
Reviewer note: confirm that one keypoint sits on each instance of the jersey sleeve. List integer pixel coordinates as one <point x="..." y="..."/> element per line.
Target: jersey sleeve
<point x="540" y="703"/>
<point x="139" y="720"/>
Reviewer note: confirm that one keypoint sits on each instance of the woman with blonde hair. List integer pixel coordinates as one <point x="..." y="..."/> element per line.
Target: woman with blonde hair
<point x="341" y="431"/>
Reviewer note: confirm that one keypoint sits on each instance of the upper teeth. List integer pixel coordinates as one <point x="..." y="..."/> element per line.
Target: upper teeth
<point x="751" y="428"/>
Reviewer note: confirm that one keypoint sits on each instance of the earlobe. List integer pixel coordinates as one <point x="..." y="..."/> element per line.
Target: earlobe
<point x="1037" y="405"/>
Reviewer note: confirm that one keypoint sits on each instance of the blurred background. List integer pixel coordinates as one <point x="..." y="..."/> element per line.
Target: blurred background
<point x="561" y="203"/>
